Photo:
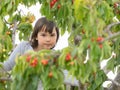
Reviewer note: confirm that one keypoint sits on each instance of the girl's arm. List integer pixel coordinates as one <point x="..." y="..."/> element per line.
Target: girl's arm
<point x="69" y="80"/>
<point x="10" y="62"/>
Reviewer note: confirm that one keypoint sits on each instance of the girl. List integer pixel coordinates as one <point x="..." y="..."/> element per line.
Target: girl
<point x="45" y="35"/>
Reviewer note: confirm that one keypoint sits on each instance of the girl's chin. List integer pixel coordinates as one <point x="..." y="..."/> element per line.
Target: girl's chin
<point x="47" y="48"/>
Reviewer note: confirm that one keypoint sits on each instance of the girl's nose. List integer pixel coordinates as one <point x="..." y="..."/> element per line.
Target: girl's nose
<point x="48" y="38"/>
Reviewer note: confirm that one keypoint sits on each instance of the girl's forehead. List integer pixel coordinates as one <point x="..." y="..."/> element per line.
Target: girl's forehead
<point x="45" y="30"/>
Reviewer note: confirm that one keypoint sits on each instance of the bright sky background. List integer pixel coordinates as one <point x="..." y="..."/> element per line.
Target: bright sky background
<point x="63" y="40"/>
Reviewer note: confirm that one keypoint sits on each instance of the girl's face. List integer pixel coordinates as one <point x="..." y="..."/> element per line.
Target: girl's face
<point x="46" y="40"/>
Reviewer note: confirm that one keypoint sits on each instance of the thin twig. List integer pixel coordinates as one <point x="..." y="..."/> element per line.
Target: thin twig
<point x="109" y="27"/>
<point x="7" y="22"/>
<point x="110" y="33"/>
<point x="14" y="33"/>
<point x="111" y="36"/>
<point x="5" y="79"/>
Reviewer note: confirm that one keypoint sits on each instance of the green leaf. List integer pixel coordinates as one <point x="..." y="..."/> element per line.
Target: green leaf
<point x="1" y="25"/>
<point x="110" y="64"/>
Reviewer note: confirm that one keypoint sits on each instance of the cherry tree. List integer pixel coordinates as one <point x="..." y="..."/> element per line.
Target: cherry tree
<point x="93" y="26"/>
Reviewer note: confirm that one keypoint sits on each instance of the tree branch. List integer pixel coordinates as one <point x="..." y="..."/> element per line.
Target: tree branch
<point x="7" y="22"/>
<point x="5" y="79"/>
<point x="109" y="27"/>
<point x="14" y="33"/>
<point x="111" y="36"/>
<point x="109" y="32"/>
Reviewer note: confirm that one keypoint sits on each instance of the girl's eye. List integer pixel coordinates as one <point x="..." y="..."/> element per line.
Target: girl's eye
<point x="52" y="35"/>
<point x="43" y="35"/>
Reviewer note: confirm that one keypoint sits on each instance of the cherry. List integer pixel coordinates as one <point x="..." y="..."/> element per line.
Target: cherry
<point x="50" y="74"/>
<point x="59" y="6"/>
<point x="72" y="63"/>
<point x="52" y="4"/>
<point x="8" y="32"/>
<point x="100" y="45"/>
<point x="34" y="62"/>
<point x="44" y="62"/>
<point x="99" y="39"/>
<point x="68" y="57"/>
<point x="55" y="0"/>
<point x="115" y="5"/>
<point x="28" y="58"/>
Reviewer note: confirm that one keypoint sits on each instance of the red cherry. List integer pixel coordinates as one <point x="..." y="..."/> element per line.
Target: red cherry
<point x="8" y="32"/>
<point x="44" y="62"/>
<point x="28" y="58"/>
<point x="88" y="46"/>
<point x="59" y="6"/>
<point x="50" y="74"/>
<point x="101" y="46"/>
<point x="72" y="63"/>
<point x="55" y="1"/>
<point x="115" y="5"/>
<point x="99" y="39"/>
<point x="68" y="57"/>
<point x="34" y="62"/>
<point x="52" y="4"/>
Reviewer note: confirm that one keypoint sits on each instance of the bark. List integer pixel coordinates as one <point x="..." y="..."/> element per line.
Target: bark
<point x="14" y="34"/>
<point x="5" y="76"/>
